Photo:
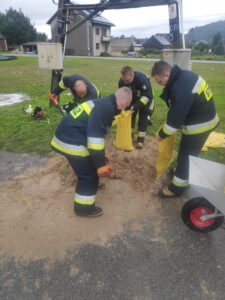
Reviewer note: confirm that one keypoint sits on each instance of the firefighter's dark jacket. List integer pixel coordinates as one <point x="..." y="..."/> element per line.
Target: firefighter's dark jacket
<point x="141" y="90"/>
<point x="190" y="102"/>
<point x="69" y="81"/>
<point x="82" y="131"/>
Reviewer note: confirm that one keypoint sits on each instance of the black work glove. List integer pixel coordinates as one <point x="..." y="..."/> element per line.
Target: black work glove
<point x="68" y="106"/>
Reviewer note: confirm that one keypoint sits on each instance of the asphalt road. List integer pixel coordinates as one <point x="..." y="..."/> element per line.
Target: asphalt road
<point x="178" y="265"/>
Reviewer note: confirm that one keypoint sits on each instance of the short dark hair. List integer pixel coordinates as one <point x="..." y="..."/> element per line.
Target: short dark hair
<point x="125" y="70"/>
<point x="160" y="67"/>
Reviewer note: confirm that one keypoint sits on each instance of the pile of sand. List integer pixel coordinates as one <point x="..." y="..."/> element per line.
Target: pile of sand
<point x="36" y="207"/>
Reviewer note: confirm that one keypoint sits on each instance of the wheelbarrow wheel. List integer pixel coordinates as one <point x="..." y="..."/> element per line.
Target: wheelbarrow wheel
<point x="196" y="208"/>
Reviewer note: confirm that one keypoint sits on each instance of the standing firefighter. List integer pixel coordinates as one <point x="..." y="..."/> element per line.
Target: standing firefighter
<point x="142" y="101"/>
<point x="80" y="138"/>
<point x="191" y="108"/>
<point x="81" y="88"/>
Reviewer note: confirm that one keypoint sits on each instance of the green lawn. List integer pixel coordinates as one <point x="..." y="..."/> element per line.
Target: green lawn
<point x="20" y="133"/>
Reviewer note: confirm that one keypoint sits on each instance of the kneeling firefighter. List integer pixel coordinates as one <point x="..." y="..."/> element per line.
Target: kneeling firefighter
<point x="80" y="138"/>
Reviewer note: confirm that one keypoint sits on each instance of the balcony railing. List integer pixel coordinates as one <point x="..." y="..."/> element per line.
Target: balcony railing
<point x="105" y="38"/>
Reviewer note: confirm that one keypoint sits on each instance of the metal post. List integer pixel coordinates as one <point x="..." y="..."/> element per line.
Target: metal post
<point x="174" y="21"/>
<point x="182" y="23"/>
<point x="59" y="37"/>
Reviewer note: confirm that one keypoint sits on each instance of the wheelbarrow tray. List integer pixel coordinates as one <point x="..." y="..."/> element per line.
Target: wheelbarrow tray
<point x="208" y="179"/>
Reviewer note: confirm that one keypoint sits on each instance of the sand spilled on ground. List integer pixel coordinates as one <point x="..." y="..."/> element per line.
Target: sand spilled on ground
<point x="36" y="208"/>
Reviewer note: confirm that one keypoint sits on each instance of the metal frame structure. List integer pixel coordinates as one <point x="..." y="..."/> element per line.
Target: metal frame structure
<point x="64" y="6"/>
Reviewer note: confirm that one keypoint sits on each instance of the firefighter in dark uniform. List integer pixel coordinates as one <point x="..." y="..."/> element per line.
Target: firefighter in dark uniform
<point x="142" y="102"/>
<point x="81" y="88"/>
<point x="191" y="109"/>
<point x="80" y="138"/>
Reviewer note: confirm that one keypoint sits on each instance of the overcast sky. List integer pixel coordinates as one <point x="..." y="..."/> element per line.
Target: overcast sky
<point x="141" y="22"/>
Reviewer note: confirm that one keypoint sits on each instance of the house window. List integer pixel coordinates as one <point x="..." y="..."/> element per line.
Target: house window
<point x="104" y="31"/>
<point x="97" y="31"/>
<point x="97" y="46"/>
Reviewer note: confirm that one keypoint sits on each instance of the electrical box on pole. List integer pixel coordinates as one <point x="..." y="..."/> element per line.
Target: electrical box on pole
<point x="50" y="56"/>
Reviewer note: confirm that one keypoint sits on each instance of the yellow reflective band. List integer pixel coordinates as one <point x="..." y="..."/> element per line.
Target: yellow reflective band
<point x="200" y="87"/>
<point x="208" y="93"/>
<point x="141" y="134"/>
<point x="88" y="106"/>
<point x="95" y="146"/>
<point x="61" y="84"/>
<point x="96" y="143"/>
<point x="179" y="182"/>
<point x="69" y="149"/>
<point x="169" y="130"/>
<point x="77" y="111"/>
<point x="144" y="100"/>
<point x="202" y="127"/>
<point x="85" y="200"/>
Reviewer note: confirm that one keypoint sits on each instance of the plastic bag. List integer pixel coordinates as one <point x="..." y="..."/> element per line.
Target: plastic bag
<point x="123" y="134"/>
<point x="215" y="140"/>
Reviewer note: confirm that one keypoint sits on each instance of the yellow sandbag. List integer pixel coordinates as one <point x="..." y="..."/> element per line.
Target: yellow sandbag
<point x="215" y="140"/>
<point x="165" y="155"/>
<point x="123" y="134"/>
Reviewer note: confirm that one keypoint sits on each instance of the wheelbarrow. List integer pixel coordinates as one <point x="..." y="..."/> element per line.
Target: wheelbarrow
<point x="206" y="212"/>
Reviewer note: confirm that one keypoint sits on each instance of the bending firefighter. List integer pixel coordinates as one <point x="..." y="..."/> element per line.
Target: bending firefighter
<point x="80" y="138"/>
<point x="191" y="108"/>
<point x="142" y="101"/>
<point x="81" y="88"/>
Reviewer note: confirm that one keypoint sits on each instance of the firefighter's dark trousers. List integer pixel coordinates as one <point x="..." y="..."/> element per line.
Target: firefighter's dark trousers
<point x="87" y="183"/>
<point x="189" y="145"/>
<point x="142" y="122"/>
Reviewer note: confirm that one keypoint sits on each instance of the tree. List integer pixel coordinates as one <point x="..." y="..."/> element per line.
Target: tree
<point x="202" y="47"/>
<point x="41" y="37"/>
<point x="16" y="27"/>
<point x="218" y="44"/>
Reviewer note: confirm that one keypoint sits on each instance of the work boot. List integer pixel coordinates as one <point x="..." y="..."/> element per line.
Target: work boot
<point x="96" y="212"/>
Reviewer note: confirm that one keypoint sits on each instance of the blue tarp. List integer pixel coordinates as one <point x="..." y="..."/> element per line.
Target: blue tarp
<point x="7" y="57"/>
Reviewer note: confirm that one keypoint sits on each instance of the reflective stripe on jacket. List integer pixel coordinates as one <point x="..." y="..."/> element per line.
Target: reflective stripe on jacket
<point x="82" y="131"/>
<point x="190" y="102"/>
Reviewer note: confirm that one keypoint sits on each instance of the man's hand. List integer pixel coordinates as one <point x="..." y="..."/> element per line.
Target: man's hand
<point x="54" y="99"/>
<point x="104" y="171"/>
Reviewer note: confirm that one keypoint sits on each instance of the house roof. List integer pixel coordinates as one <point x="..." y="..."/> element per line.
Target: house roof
<point x="94" y="20"/>
<point x="101" y="21"/>
<point x="123" y="44"/>
<point x="159" y="38"/>
<point x="30" y="44"/>
<point x="162" y="40"/>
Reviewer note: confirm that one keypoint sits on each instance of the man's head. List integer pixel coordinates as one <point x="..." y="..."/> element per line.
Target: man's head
<point x="127" y="75"/>
<point x="80" y="88"/>
<point x="123" y="97"/>
<point x="161" y="72"/>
